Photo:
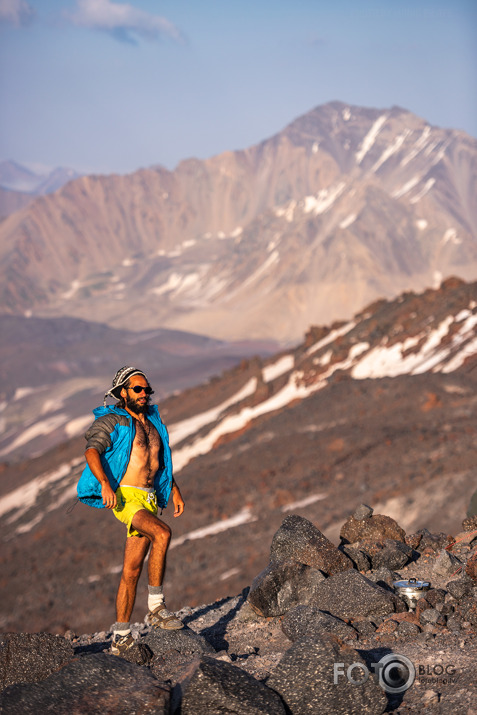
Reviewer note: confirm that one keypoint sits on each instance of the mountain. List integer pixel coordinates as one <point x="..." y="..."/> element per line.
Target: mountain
<point x="344" y="206"/>
<point x="52" y="370"/>
<point x="379" y="409"/>
<point x="19" y="185"/>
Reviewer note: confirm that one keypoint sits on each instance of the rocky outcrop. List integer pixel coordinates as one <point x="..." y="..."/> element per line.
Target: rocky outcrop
<point x="329" y="650"/>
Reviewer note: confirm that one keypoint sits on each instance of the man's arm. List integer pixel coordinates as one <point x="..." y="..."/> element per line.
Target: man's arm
<point x="94" y="463"/>
<point x="177" y="499"/>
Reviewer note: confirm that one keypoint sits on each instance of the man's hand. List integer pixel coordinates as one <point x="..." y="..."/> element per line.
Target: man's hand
<point x="177" y="500"/>
<point x="109" y="497"/>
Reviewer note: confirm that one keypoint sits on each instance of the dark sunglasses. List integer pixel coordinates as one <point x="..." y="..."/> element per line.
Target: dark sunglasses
<point x="138" y="388"/>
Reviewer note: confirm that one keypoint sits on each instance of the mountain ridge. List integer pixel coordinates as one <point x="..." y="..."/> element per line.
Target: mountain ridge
<point x="343" y="206"/>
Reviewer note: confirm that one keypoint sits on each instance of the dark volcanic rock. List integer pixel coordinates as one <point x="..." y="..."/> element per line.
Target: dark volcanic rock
<point x="376" y="528"/>
<point x="460" y="587"/>
<point x="305" y="680"/>
<point x="298" y="539"/>
<point x="210" y="686"/>
<point x="310" y="622"/>
<point x="31" y="657"/>
<point x="471" y="568"/>
<point x="360" y="558"/>
<point x="352" y="595"/>
<point x="393" y="555"/>
<point x="184" y="641"/>
<point x="446" y="564"/>
<point x="282" y="585"/>
<point x="384" y="577"/>
<point x="97" y="683"/>
<point x="363" y="512"/>
<point x="431" y="541"/>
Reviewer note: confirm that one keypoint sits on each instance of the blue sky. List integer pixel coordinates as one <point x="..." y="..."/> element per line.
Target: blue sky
<point x="108" y="86"/>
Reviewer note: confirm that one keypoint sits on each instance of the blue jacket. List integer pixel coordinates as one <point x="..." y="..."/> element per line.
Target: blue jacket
<point x="112" y="434"/>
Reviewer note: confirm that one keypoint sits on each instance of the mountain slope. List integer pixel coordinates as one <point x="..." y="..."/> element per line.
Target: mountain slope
<point x="343" y="206"/>
<point x="379" y="410"/>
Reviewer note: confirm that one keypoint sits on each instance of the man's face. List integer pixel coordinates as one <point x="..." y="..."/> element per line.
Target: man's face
<point x="136" y="402"/>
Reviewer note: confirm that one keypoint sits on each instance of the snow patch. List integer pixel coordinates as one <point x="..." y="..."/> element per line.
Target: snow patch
<point x="77" y="426"/>
<point x="348" y="221"/>
<point x="283" y="365"/>
<point x="304" y="502"/>
<point x="451" y="236"/>
<point x="323" y="200"/>
<point x="370" y="138"/>
<point x="181" y="430"/>
<point x="346" y="114"/>
<point x="406" y="187"/>
<point x="274" y="257"/>
<point x="315" y="147"/>
<point x="286" y="211"/>
<point x="36" y="430"/>
<point x="392" y="149"/>
<point x="421" y="224"/>
<point x="244" y="516"/>
<point x="332" y="335"/>
<point x="418" y="146"/>
<point x="427" y="187"/>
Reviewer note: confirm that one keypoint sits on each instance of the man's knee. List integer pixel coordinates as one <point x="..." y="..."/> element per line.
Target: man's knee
<point x="131" y="573"/>
<point x="162" y="532"/>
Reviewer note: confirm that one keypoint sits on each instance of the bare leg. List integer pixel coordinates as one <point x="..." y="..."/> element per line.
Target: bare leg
<point x="134" y="554"/>
<point x="159" y="534"/>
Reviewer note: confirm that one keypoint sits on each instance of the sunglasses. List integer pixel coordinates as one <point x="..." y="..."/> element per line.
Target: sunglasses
<point x="138" y="388"/>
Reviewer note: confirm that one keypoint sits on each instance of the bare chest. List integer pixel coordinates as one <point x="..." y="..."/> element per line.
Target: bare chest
<point x="146" y="440"/>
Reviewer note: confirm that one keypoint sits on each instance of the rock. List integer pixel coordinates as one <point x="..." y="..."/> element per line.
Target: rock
<point x="305" y="679"/>
<point x="97" y="683"/>
<point x="31" y="657"/>
<point x="311" y="622"/>
<point x="435" y="596"/>
<point x="432" y="616"/>
<point x="208" y="686"/>
<point x="363" y="512"/>
<point x="466" y="610"/>
<point x="365" y="628"/>
<point x="384" y="577"/>
<point x="435" y="542"/>
<point x="470" y="524"/>
<point x="390" y="554"/>
<point x="282" y="585"/>
<point x="453" y="624"/>
<point x="446" y="564"/>
<point x="408" y="630"/>
<point x="375" y="528"/>
<point x="471" y="567"/>
<point x="413" y="540"/>
<point x="429" y="698"/>
<point x="460" y="587"/>
<point x="184" y="641"/>
<point x="352" y="595"/>
<point x="298" y="539"/>
<point x="359" y="558"/>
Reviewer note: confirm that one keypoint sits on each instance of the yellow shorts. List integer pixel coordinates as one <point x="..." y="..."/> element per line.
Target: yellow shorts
<point x="130" y="500"/>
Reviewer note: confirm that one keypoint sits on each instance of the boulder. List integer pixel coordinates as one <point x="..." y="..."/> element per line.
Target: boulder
<point x="311" y="678"/>
<point x="96" y="683"/>
<point x="298" y="539"/>
<point x="310" y="622"/>
<point x="352" y="595"/>
<point x="209" y="686"/>
<point x="282" y="585"/>
<point x="460" y="587"/>
<point x="446" y="564"/>
<point x="388" y="553"/>
<point x="358" y="556"/>
<point x="172" y="649"/>
<point x="31" y="657"/>
<point x="375" y="528"/>
<point x="435" y="542"/>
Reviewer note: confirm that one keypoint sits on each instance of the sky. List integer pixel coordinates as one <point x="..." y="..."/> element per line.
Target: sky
<point x="104" y="86"/>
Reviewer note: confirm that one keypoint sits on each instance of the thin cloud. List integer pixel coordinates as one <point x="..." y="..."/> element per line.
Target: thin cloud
<point x="123" y="21"/>
<point x="16" y="12"/>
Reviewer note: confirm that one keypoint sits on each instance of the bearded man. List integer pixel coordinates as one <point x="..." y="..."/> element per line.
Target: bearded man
<point x="129" y="470"/>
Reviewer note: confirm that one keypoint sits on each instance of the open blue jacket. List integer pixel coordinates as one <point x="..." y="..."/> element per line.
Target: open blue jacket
<point x="112" y="434"/>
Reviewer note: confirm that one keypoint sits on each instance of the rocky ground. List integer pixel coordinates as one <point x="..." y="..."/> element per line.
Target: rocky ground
<point x="285" y="644"/>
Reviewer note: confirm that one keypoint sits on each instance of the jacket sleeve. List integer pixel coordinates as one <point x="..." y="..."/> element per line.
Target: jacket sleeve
<point x="98" y="436"/>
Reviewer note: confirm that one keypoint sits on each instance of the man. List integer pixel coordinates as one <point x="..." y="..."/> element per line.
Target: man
<point x="129" y="470"/>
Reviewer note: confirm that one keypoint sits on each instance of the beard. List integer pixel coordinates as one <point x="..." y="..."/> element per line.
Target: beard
<point x="135" y="407"/>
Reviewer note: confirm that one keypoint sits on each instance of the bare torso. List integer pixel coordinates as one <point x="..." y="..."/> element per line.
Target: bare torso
<point x="144" y="459"/>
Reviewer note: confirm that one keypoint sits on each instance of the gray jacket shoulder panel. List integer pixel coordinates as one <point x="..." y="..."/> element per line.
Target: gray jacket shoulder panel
<point x="98" y="435"/>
